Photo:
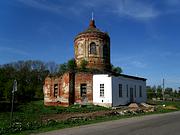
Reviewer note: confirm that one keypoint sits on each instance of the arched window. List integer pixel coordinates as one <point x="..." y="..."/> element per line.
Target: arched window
<point x="92" y="48"/>
<point x="105" y="51"/>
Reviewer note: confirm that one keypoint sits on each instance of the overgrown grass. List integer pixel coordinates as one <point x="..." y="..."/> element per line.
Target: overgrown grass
<point x="27" y="119"/>
<point x="166" y="103"/>
<point x="38" y="107"/>
<point x="29" y="116"/>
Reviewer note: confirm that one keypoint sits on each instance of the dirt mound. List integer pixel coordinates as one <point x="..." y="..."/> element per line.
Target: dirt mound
<point x="133" y="105"/>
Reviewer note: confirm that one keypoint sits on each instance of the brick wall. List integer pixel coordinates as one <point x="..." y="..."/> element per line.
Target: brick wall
<point x="62" y="98"/>
<point x="83" y="78"/>
<point x="68" y="89"/>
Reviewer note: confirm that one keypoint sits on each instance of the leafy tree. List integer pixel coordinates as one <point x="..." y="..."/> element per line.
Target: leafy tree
<point x="83" y="65"/>
<point x="159" y="92"/>
<point x="156" y="92"/>
<point x="117" y="69"/>
<point x="169" y="91"/>
<point x="62" y="68"/>
<point x="175" y="94"/>
<point x="150" y="92"/>
<point x="30" y="77"/>
<point x="52" y="67"/>
<point x="71" y="65"/>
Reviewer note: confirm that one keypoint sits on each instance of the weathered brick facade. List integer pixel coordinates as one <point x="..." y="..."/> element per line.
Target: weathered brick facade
<point x="91" y="45"/>
<point x="84" y="78"/>
<point x="68" y="89"/>
<point x="57" y="90"/>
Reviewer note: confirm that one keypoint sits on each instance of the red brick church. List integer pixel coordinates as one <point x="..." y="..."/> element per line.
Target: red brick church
<point x="91" y="45"/>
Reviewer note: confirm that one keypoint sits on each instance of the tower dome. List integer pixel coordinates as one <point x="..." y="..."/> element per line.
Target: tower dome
<point x="93" y="46"/>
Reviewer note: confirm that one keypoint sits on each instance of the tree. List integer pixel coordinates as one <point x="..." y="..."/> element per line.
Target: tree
<point x="117" y="69"/>
<point x="52" y="67"/>
<point x="30" y="76"/>
<point x="7" y="76"/>
<point x="62" y="68"/>
<point x="175" y="94"/>
<point x="71" y="65"/>
<point x="150" y="92"/>
<point x="159" y="92"/>
<point x="169" y="91"/>
<point x="83" y="65"/>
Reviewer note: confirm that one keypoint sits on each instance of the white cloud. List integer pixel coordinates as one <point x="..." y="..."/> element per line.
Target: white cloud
<point x="57" y="7"/>
<point x="172" y="2"/>
<point x="129" y="61"/>
<point x="168" y="54"/>
<point x="43" y="5"/>
<point x="138" y="64"/>
<point x="132" y="8"/>
<point x="4" y="50"/>
<point x="136" y="9"/>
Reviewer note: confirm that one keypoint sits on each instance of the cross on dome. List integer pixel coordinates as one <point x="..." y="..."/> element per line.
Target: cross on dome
<point x="92" y="22"/>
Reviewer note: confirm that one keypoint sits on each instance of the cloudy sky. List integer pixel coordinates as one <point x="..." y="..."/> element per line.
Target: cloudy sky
<point x="145" y="34"/>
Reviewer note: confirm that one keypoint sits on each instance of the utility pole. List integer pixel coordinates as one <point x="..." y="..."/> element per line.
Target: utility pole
<point x="12" y="101"/>
<point x="163" y="90"/>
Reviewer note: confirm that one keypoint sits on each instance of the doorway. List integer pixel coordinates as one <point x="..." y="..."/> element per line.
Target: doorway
<point x="83" y="91"/>
<point x="131" y="95"/>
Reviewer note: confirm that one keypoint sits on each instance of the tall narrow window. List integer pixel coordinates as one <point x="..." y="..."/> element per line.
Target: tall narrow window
<point x="105" y="51"/>
<point x="140" y="91"/>
<point x="134" y="90"/>
<point x="101" y="90"/>
<point x="127" y="89"/>
<point x="92" y="48"/>
<point x="83" y="90"/>
<point x="120" y="90"/>
<point x="55" y="90"/>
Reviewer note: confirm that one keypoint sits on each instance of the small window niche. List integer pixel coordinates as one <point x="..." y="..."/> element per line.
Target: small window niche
<point x="55" y="90"/>
<point x="93" y="48"/>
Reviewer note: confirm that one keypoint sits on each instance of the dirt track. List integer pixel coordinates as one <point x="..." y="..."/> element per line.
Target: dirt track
<point x="65" y="116"/>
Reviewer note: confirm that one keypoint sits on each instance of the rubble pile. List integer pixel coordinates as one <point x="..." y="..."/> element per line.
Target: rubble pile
<point x="134" y="109"/>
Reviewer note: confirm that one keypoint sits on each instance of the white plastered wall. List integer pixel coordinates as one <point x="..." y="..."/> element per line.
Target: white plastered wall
<point x="107" y="81"/>
<point x="116" y="100"/>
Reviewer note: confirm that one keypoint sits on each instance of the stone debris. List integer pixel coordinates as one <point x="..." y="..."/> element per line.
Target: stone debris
<point x="133" y="105"/>
<point x="146" y="105"/>
<point x="132" y="109"/>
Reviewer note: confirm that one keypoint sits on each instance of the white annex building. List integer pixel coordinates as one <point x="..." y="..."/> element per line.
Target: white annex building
<point x="112" y="91"/>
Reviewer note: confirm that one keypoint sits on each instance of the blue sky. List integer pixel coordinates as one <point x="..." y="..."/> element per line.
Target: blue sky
<point x="145" y="34"/>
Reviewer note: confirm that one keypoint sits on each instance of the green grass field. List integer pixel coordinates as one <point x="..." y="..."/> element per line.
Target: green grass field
<point x="29" y="116"/>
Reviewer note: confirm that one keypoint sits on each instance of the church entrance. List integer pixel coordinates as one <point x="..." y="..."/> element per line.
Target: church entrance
<point x="83" y="93"/>
<point x="131" y="95"/>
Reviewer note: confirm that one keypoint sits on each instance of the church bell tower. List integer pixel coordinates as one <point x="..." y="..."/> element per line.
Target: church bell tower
<point x="93" y="46"/>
